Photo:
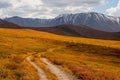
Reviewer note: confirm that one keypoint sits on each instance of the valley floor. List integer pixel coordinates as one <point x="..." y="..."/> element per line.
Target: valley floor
<point x="32" y="55"/>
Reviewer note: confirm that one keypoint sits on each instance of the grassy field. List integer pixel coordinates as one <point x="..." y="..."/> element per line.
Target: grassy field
<point x="88" y="59"/>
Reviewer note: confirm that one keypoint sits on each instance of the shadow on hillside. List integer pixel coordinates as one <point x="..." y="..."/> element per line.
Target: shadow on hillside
<point x="94" y="49"/>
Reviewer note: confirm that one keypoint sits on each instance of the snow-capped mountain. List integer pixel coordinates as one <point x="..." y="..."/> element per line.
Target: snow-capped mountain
<point x="92" y="19"/>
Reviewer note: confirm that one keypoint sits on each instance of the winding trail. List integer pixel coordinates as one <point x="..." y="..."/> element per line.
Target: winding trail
<point x="61" y="75"/>
<point x="41" y="73"/>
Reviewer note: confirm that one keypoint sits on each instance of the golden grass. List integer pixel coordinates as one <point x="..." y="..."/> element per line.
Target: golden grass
<point x="15" y="67"/>
<point x="39" y="34"/>
<point x="87" y="66"/>
<point x="86" y="58"/>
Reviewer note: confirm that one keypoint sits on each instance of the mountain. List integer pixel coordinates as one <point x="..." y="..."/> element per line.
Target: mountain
<point x="80" y="31"/>
<point x="6" y="24"/>
<point x="94" y="20"/>
<point x="29" y="22"/>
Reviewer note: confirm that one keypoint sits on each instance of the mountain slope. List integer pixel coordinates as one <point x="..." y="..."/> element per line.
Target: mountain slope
<point x="29" y="21"/>
<point x="6" y="24"/>
<point x="92" y="19"/>
<point x="80" y="31"/>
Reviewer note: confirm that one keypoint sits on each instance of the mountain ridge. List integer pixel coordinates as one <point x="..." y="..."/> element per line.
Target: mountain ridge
<point x="94" y="20"/>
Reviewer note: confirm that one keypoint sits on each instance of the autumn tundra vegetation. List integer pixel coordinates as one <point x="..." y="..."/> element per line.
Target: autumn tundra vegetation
<point x="83" y="58"/>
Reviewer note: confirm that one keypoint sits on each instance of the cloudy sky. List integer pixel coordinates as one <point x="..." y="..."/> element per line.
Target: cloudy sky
<point x="52" y="8"/>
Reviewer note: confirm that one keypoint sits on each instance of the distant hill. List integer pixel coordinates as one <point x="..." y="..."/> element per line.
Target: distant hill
<point x="6" y="24"/>
<point x="80" y="31"/>
<point x="92" y="19"/>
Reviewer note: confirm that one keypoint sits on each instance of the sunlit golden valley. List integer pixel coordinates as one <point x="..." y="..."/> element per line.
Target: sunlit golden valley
<point x="82" y="58"/>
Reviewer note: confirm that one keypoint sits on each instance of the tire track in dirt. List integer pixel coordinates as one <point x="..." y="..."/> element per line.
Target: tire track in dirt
<point x="61" y="75"/>
<point x="41" y="73"/>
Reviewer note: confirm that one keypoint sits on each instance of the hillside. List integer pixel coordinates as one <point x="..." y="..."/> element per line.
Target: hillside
<point x="80" y="31"/>
<point x="6" y="24"/>
<point x="69" y="30"/>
